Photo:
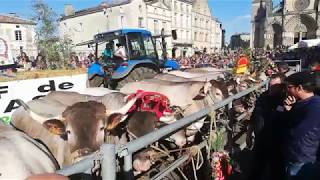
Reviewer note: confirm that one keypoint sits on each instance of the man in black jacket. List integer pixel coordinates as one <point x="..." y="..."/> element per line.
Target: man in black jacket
<point x="303" y="120"/>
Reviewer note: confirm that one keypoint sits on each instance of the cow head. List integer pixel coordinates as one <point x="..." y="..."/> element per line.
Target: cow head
<point x="82" y="125"/>
<point x="214" y="90"/>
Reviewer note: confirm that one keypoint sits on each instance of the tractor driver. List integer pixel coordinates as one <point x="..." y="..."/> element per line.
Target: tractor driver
<point x="120" y="52"/>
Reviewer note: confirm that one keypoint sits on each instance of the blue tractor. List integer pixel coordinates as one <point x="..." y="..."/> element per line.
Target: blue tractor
<point x="141" y="62"/>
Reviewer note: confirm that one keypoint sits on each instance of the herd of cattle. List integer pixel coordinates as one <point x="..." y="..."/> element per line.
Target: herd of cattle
<point x="61" y="128"/>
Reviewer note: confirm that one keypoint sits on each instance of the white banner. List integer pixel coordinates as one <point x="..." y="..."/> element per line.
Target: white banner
<point x="27" y="90"/>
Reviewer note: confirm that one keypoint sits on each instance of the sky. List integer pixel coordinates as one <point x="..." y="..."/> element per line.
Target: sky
<point x="234" y="14"/>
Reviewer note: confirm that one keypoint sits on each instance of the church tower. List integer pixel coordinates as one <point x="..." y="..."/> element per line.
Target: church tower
<point x="258" y="20"/>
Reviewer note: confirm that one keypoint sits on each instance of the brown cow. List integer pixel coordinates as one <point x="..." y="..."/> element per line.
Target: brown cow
<point x="78" y="131"/>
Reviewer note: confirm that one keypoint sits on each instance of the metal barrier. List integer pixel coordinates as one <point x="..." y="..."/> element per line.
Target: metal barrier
<point x="109" y="151"/>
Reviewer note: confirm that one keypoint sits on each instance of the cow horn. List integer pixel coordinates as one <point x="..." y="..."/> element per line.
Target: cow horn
<point x="168" y="119"/>
<point x="41" y="119"/>
<point x="125" y="108"/>
<point x="206" y="87"/>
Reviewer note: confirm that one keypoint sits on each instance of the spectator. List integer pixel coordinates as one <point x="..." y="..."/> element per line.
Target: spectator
<point x="303" y="136"/>
<point x="262" y="126"/>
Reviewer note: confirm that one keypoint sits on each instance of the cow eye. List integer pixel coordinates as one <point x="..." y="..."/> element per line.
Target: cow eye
<point x="68" y="131"/>
<point x="102" y="128"/>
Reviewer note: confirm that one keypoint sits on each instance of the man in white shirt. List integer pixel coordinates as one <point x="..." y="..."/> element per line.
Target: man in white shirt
<point x="121" y="52"/>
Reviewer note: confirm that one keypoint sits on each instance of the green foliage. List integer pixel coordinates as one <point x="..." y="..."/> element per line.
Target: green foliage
<point x="55" y="51"/>
<point x="218" y="141"/>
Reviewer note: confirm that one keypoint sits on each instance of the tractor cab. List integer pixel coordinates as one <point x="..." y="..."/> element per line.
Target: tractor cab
<point x="125" y="55"/>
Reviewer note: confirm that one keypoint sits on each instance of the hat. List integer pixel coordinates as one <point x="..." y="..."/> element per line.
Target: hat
<point x="301" y="78"/>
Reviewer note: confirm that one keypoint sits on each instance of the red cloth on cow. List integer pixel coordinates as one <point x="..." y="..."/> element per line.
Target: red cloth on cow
<point x="151" y="102"/>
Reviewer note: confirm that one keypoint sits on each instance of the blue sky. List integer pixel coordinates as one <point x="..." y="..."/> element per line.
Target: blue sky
<point x="234" y="14"/>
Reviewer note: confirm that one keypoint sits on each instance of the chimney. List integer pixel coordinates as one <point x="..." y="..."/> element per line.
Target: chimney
<point x="13" y="14"/>
<point x="68" y="10"/>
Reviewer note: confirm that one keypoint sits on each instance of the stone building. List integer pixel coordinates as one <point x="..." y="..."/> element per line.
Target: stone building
<point x="285" y="24"/>
<point x="20" y="34"/>
<point x="178" y="15"/>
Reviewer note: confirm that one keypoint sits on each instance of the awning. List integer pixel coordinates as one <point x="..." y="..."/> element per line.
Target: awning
<point x="306" y="44"/>
<point x="85" y="43"/>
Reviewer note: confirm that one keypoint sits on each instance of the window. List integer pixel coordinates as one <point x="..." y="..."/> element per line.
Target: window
<point x="187" y="21"/>
<point x="18" y="35"/>
<point x="181" y="20"/>
<point x="148" y="44"/>
<point x="140" y="22"/>
<point x="181" y="34"/>
<point x="195" y="36"/>
<point x="136" y="46"/>
<point x="122" y="21"/>
<point x="164" y="26"/>
<point x="155" y="10"/>
<point x="187" y="35"/>
<point x="156" y="27"/>
<point x="195" y="21"/>
<point x="17" y="26"/>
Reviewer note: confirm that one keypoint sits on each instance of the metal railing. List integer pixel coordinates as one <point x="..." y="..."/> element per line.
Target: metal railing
<point x="110" y="151"/>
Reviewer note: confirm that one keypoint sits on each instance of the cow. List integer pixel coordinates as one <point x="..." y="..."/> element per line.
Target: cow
<point x="76" y="132"/>
<point x="189" y="96"/>
<point x="22" y="156"/>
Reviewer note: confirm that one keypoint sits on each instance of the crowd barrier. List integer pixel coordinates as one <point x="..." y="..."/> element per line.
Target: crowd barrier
<point x="109" y="153"/>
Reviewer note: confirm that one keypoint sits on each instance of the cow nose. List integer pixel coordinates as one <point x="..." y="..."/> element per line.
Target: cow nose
<point x="85" y="151"/>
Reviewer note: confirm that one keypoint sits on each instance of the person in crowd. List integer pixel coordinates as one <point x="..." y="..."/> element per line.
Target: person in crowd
<point x="40" y="62"/>
<point x="283" y="67"/>
<point x="303" y="134"/>
<point x="24" y="59"/>
<point x="315" y="67"/>
<point x="261" y="124"/>
<point x="107" y="53"/>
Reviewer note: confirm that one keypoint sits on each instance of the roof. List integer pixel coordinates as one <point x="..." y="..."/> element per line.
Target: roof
<point x="109" y="35"/>
<point x="95" y="9"/>
<point x="11" y="19"/>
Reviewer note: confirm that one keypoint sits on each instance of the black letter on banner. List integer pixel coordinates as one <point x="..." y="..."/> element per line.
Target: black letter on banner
<point x="51" y="87"/>
<point x="3" y="90"/>
<point x="11" y="106"/>
<point x="66" y="85"/>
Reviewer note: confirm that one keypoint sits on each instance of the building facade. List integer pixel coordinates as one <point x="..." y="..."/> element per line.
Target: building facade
<point x="20" y="34"/>
<point x="240" y="40"/>
<point x="284" y="24"/>
<point x="178" y="15"/>
<point x="216" y="39"/>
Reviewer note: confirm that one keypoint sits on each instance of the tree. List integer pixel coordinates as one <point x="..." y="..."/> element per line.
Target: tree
<point x="56" y="51"/>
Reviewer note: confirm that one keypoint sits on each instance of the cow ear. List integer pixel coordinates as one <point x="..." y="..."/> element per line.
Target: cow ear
<point x="113" y="120"/>
<point x="203" y="91"/>
<point x="199" y="96"/>
<point x="55" y="126"/>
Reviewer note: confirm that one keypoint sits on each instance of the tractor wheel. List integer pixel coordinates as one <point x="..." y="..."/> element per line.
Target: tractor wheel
<point x="137" y="74"/>
<point x="96" y="81"/>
